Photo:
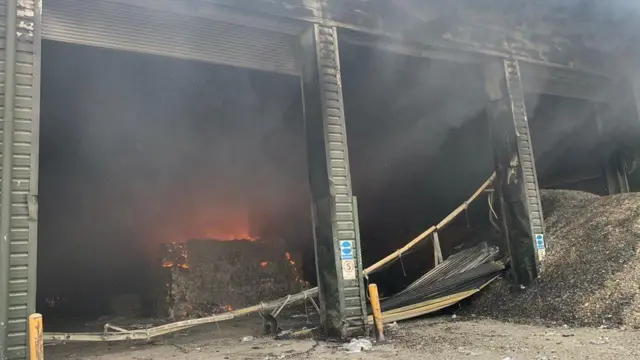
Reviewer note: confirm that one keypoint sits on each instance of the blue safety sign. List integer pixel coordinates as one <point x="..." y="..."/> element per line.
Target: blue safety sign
<point x="346" y="250"/>
<point x="540" y="241"/>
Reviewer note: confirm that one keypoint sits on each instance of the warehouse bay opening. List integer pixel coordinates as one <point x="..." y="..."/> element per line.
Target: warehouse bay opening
<point x="419" y="147"/>
<point x="160" y="176"/>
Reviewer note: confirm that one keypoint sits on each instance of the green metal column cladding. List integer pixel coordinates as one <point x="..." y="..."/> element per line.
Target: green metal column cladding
<point x="20" y="67"/>
<point x="516" y="180"/>
<point x="336" y="237"/>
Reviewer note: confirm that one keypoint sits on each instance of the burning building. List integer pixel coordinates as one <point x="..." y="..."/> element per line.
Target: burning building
<point x="138" y="98"/>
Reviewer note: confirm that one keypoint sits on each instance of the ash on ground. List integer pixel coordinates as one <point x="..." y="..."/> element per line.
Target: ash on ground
<point x="591" y="273"/>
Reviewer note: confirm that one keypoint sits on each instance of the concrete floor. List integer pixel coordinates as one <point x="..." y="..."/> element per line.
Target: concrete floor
<point x="432" y="338"/>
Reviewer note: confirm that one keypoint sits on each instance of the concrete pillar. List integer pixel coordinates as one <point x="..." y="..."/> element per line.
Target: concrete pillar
<point x="516" y="181"/>
<point x="338" y="261"/>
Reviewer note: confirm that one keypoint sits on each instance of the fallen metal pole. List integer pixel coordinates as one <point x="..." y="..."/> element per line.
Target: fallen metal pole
<point x="396" y="254"/>
<point x="437" y="251"/>
<point x="145" y="334"/>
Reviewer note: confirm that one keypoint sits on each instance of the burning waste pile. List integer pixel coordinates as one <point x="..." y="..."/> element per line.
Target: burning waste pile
<point x="204" y="277"/>
<point x="591" y="273"/>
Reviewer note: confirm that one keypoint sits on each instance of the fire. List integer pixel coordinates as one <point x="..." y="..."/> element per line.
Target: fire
<point x="205" y="221"/>
<point x="288" y="256"/>
<point x="169" y="264"/>
<point x="228" y="308"/>
<point x="264" y="264"/>
<point x="176" y="257"/>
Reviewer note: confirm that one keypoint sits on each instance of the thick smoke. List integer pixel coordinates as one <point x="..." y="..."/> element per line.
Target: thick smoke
<point x="139" y="150"/>
<point x="418" y="145"/>
<point x="402" y="111"/>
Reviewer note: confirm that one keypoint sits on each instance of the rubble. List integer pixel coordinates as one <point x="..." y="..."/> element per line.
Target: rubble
<point x="591" y="273"/>
<point x="218" y="276"/>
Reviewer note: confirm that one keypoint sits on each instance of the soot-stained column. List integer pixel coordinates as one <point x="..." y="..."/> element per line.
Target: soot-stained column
<point x="516" y="180"/>
<point x="338" y="260"/>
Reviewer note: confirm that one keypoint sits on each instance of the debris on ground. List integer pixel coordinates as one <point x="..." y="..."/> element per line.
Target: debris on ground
<point x="465" y="270"/>
<point x="591" y="273"/>
<point x="358" y="345"/>
<point x="393" y="326"/>
<point x="247" y="338"/>
<point x="425" y="338"/>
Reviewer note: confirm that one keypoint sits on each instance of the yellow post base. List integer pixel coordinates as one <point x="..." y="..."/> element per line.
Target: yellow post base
<point x="377" y="311"/>
<point x="36" y="339"/>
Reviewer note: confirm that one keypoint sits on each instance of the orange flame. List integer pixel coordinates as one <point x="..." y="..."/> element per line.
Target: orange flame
<point x="264" y="264"/>
<point x="288" y="256"/>
<point x="169" y="264"/>
<point x="206" y="222"/>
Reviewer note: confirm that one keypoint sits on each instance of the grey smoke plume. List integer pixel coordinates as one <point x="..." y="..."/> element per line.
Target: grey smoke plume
<point x="401" y="109"/>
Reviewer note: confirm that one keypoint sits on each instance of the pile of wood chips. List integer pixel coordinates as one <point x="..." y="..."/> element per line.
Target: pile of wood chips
<point x="591" y="273"/>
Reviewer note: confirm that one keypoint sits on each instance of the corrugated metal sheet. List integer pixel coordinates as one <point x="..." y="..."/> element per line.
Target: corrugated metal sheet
<point x="460" y="272"/>
<point x="20" y="116"/>
<point x="121" y="26"/>
<point x="525" y="150"/>
<point x="344" y="223"/>
<point x="540" y="79"/>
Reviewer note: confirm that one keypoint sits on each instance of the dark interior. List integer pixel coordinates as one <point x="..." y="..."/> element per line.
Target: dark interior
<point x="139" y="150"/>
<point x="419" y="147"/>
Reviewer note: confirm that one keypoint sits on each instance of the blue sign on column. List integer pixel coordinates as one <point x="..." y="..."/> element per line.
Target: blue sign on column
<point x="540" y="241"/>
<point x="346" y="249"/>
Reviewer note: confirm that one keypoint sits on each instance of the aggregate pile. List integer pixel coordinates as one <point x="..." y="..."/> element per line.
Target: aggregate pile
<point x="591" y="273"/>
